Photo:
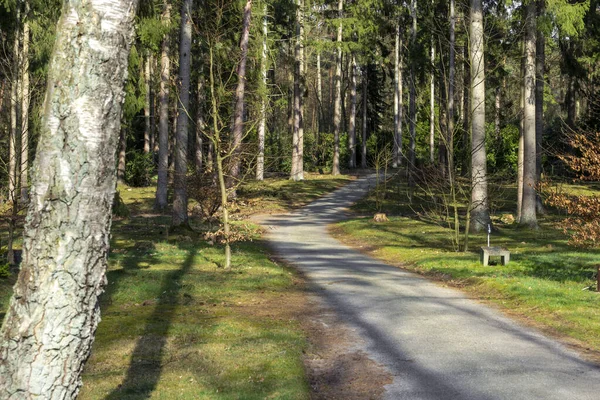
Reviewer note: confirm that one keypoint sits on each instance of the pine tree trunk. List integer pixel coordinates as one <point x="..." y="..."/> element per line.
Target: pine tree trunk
<point x="237" y="128"/>
<point x="319" y="95"/>
<point x="163" y="118"/>
<point x="262" y="124"/>
<point x="337" y="108"/>
<point x="297" y="173"/>
<point x="497" y="104"/>
<point x="412" y="107"/>
<point x="451" y="90"/>
<point x="364" y="121"/>
<point x="49" y="326"/>
<point x="480" y="216"/>
<point x="147" y="106"/>
<point x="180" y="199"/>
<point x="352" y="123"/>
<point x="25" y="99"/>
<point x="466" y="120"/>
<point x="528" y="211"/>
<point x="397" y="156"/>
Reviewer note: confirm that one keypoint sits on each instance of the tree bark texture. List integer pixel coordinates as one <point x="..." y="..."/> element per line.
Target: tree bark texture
<point x="163" y="117"/>
<point x="451" y="90"/>
<point x="352" y="122"/>
<point x="540" y="62"/>
<point x="298" y="112"/>
<point x="49" y="327"/>
<point x="397" y="155"/>
<point x="528" y="210"/>
<point x="364" y="120"/>
<point x="200" y="123"/>
<point x="147" y="105"/>
<point x="480" y="216"/>
<point x="432" y="105"/>
<point x="25" y="100"/>
<point x="237" y="129"/>
<point x="121" y="158"/>
<point x="262" y="124"/>
<point x="412" y="107"/>
<point x="180" y="199"/>
<point x="337" y="107"/>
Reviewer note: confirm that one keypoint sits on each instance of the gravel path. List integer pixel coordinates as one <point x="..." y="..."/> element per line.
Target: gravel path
<point x="436" y="343"/>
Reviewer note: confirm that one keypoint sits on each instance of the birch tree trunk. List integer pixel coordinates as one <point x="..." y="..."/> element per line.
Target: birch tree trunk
<point x="25" y="100"/>
<point x="432" y="106"/>
<point x="337" y="109"/>
<point x="298" y="112"/>
<point x="180" y="199"/>
<point x="163" y="117"/>
<point x="320" y="95"/>
<point x="238" y="114"/>
<point x="122" y="154"/>
<point x="480" y="216"/>
<point x="147" y="105"/>
<point x="262" y="124"/>
<point x="352" y="123"/>
<point x="49" y="326"/>
<point x="397" y="155"/>
<point x="528" y="209"/>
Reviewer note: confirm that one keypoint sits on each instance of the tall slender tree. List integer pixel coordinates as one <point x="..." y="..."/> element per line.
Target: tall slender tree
<point x="480" y="216"/>
<point x="298" y="106"/>
<point x="262" y="124"/>
<point x="352" y="122"/>
<point x="160" y="202"/>
<point x="398" y="104"/>
<point x="337" y="108"/>
<point x="528" y="207"/>
<point x="180" y="199"/>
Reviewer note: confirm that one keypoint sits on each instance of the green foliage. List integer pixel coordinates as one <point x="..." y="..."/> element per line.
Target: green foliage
<point x="151" y="31"/>
<point x="139" y="168"/>
<point x="569" y="16"/>
<point x="4" y="270"/>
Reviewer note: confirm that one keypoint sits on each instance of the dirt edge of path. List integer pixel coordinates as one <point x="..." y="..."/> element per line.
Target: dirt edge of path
<point x="336" y="368"/>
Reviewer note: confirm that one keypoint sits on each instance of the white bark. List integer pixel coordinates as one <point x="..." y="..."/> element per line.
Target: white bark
<point x="397" y="161"/>
<point x="147" y="105"/>
<point x="49" y="327"/>
<point x="364" y="121"/>
<point x="298" y="111"/>
<point x="412" y="108"/>
<point x="262" y="124"/>
<point x="25" y="100"/>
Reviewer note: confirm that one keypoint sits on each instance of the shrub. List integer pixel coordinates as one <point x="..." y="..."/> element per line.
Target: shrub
<point x="139" y="169"/>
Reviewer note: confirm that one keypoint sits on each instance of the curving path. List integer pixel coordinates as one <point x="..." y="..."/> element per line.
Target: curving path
<point x="436" y="343"/>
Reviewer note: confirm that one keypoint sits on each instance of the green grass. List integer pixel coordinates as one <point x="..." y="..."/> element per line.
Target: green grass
<point x="546" y="282"/>
<point x="175" y="325"/>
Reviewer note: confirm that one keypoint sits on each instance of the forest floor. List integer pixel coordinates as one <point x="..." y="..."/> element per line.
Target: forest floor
<point x="176" y="325"/>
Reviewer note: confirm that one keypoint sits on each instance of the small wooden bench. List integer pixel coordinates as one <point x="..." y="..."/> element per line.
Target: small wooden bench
<point x="486" y="252"/>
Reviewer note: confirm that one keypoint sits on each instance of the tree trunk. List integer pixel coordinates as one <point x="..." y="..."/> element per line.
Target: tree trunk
<point x="412" y="108"/>
<point x="180" y="199"/>
<point x="122" y="154"/>
<point x="397" y="157"/>
<point x="163" y="129"/>
<point x="364" y="121"/>
<point x="262" y="124"/>
<point x="528" y="211"/>
<point x="200" y="123"/>
<point x="147" y="106"/>
<point x="480" y="216"/>
<point x="49" y="326"/>
<point x="298" y="112"/>
<point x="432" y="105"/>
<point x="451" y="89"/>
<point x="466" y="120"/>
<point x="25" y="99"/>
<point x="352" y="123"/>
<point x="497" y="104"/>
<point x="540" y="62"/>
<point x="237" y="128"/>
<point x="320" y="95"/>
<point x="337" y="109"/>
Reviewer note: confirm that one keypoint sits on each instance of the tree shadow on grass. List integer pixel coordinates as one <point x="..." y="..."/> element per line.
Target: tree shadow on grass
<point x="146" y="360"/>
